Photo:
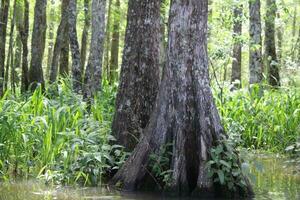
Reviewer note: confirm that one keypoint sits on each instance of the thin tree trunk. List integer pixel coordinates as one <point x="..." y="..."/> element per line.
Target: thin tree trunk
<point x="10" y="56"/>
<point x="236" y="73"/>
<point x="272" y="63"/>
<point x="107" y="40"/>
<point x="280" y="31"/>
<point x="294" y="29"/>
<point x="114" y="52"/>
<point x="3" y="29"/>
<point x="85" y="33"/>
<point x="24" y="33"/>
<point x="93" y="74"/>
<point x="139" y="73"/>
<point x="62" y="37"/>
<point x="76" y="63"/>
<point x="17" y="60"/>
<point x="185" y="114"/>
<point x="255" y="60"/>
<point x="38" y="44"/>
<point x="51" y="38"/>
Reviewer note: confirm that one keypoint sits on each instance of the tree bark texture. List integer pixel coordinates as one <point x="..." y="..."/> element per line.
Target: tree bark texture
<point x="185" y="114"/>
<point x="3" y="30"/>
<point x="114" y="52"/>
<point x="236" y="73"/>
<point x="255" y="60"/>
<point x="38" y="44"/>
<point x="85" y="34"/>
<point x="139" y="78"/>
<point x="61" y="41"/>
<point x="76" y="62"/>
<point x="93" y="74"/>
<point x="64" y="53"/>
<point x="24" y="33"/>
<point x="272" y="63"/>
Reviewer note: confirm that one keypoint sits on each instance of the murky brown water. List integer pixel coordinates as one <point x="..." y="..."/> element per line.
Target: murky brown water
<point x="275" y="182"/>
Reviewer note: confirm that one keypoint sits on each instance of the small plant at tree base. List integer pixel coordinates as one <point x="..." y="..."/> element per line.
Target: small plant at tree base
<point x="226" y="168"/>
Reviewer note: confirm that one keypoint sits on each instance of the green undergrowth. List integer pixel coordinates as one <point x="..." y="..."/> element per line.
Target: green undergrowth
<point x="52" y="136"/>
<point x="55" y="136"/>
<point x="266" y="120"/>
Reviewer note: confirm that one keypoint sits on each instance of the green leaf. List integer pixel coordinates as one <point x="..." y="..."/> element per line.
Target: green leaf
<point x="223" y="162"/>
<point x="221" y="177"/>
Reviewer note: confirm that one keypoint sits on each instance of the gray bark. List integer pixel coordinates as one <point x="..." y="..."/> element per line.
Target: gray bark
<point x="139" y="78"/>
<point x="255" y="60"/>
<point x="64" y="53"/>
<point x="24" y="33"/>
<point x="272" y="63"/>
<point x="76" y="62"/>
<point x="85" y="33"/>
<point x="3" y="30"/>
<point x="38" y="44"/>
<point x="185" y="113"/>
<point x="93" y="74"/>
<point x="236" y="73"/>
<point x="62" y="37"/>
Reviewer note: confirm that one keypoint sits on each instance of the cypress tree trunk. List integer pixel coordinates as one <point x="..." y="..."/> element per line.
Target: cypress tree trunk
<point x="114" y="52"/>
<point x="62" y="37"/>
<point x="3" y="29"/>
<point x="280" y="31"/>
<point x="236" y="73"/>
<point x="76" y="63"/>
<point x="17" y="61"/>
<point x="255" y="60"/>
<point x="38" y="44"/>
<point x="93" y="74"/>
<point x="51" y="37"/>
<point x="107" y="40"/>
<point x="10" y="57"/>
<point x="24" y="33"/>
<point x="64" y="53"/>
<point x="272" y="63"/>
<point x="85" y="33"/>
<point x="139" y="77"/>
<point x="185" y="114"/>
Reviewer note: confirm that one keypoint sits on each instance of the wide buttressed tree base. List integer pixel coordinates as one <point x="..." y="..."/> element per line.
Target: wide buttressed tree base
<point x="185" y="114"/>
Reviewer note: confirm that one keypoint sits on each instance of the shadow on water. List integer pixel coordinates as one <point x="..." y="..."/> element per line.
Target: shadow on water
<point x="275" y="180"/>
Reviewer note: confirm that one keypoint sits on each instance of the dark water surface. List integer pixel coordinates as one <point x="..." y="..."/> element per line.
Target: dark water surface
<point x="274" y="180"/>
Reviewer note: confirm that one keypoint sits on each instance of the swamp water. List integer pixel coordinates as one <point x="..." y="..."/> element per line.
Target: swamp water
<point x="273" y="181"/>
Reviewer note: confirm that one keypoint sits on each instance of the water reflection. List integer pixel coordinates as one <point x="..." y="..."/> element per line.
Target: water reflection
<point x="274" y="181"/>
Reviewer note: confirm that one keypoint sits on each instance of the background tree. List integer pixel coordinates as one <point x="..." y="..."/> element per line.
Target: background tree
<point x="38" y="44"/>
<point x="24" y="33"/>
<point x="185" y="114"/>
<point x="115" y="43"/>
<point x="10" y="56"/>
<point x="255" y="60"/>
<point x="236" y="74"/>
<point x="51" y="38"/>
<point x="93" y="74"/>
<point x="139" y="77"/>
<point x="61" y="42"/>
<point x="3" y="29"/>
<point x="85" y="33"/>
<point x="76" y="62"/>
<point x="271" y="60"/>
